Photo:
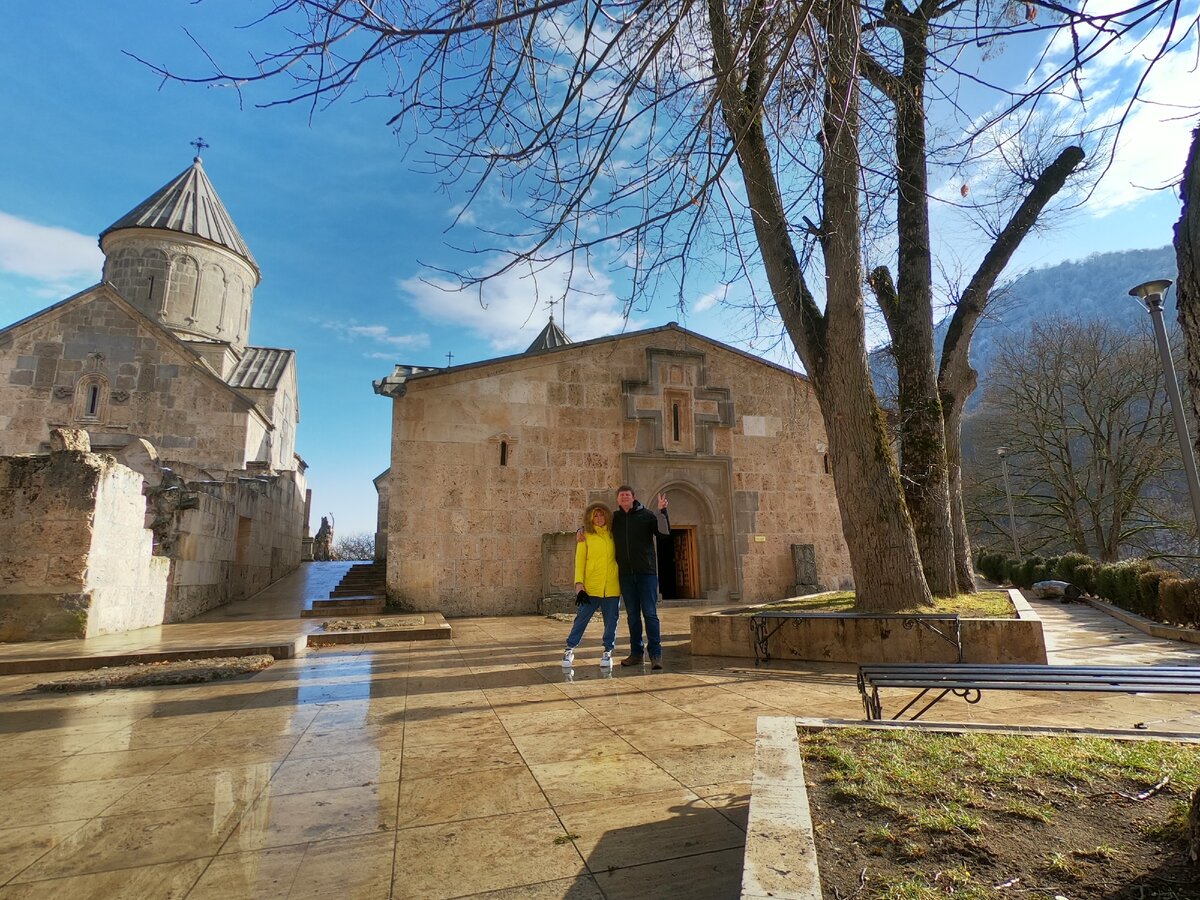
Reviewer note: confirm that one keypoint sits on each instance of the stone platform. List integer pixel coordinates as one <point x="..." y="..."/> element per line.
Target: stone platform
<point x="860" y="638"/>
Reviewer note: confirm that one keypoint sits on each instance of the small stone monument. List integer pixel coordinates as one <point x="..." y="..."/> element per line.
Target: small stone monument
<point x="804" y="558"/>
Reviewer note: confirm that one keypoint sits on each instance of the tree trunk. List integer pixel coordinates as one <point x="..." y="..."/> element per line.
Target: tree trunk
<point x="956" y="377"/>
<point x="1187" y="288"/>
<point x="832" y="345"/>
<point x="964" y="568"/>
<point x="908" y="311"/>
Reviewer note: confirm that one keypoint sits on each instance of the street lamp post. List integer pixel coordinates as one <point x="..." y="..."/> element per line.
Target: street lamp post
<point x="1002" y="452"/>
<point x="1152" y="294"/>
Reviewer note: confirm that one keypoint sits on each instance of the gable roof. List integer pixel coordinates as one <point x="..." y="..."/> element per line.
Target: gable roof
<point x="190" y="356"/>
<point x="393" y="384"/>
<point x="189" y="204"/>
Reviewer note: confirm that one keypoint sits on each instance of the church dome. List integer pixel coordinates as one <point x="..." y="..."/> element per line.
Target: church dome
<point x="179" y="258"/>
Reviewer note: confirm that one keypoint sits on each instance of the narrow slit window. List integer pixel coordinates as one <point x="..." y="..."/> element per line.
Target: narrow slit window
<point x="504" y="453"/>
<point x="93" y="399"/>
<point x="675" y="422"/>
<point x="825" y="462"/>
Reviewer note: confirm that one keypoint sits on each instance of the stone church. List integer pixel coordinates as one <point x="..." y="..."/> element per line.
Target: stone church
<point x="154" y="365"/>
<point x="493" y="462"/>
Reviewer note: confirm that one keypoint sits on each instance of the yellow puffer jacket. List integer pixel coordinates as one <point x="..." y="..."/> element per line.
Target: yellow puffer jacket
<point x="596" y="564"/>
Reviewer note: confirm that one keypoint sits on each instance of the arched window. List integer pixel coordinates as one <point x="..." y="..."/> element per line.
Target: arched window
<point x="91" y="398"/>
<point x="504" y="453"/>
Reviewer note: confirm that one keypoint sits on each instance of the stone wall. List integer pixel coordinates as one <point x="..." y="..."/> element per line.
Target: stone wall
<point x="76" y="558"/>
<point x="93" y="363"/>
<point x="488" y="459"/>
<point x="235" y="539"/>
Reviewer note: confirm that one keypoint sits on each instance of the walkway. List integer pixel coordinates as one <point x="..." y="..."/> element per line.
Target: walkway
<point x="472" y="768"/>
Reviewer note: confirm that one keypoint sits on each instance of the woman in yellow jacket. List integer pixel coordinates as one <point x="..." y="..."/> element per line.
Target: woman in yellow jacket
<point x="596" y="583"/>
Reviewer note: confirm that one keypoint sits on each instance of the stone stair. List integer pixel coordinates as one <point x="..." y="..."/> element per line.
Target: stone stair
<point x="361" y="592"/>
<point x="363" y="605"/>
<point x="362" y="579"/>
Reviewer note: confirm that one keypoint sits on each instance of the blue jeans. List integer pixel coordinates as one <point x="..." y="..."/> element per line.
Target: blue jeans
<point x="610" y="609"/>
<point x="641" y="601"/>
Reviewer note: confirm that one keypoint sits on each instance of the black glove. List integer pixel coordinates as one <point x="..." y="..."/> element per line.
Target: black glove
<point x="581" y="598"/>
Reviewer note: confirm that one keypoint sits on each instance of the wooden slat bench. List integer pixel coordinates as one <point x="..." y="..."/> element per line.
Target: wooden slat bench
<point x="969" y="681"/>
<point x="947" y="627"/>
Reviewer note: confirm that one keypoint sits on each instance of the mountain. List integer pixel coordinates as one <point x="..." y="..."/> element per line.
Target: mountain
<point x="1084" y="290"/>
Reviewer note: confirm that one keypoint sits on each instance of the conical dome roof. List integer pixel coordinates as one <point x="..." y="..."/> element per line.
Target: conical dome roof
<point x="189" y="204"/>
<point x="551" y="337"/>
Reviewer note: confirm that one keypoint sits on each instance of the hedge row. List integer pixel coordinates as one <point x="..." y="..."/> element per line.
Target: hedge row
<point x="1135" y="585"/>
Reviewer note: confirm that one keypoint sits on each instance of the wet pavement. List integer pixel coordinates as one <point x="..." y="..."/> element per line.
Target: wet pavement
<point x="475" y="767"/>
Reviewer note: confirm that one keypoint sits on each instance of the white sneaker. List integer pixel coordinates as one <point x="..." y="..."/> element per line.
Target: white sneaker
<point x="606" y="659"/>
<point x="568" y="658"/>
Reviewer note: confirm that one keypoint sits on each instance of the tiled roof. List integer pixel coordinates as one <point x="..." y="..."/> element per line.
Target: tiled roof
<point x="188" y="203"/>
<point x="260" y="368"/>
<point x="551" y="337"/>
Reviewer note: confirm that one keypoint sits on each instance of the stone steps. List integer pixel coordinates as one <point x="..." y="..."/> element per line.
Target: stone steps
<point x="340" y="611"/>
<point x="435" y="628"/>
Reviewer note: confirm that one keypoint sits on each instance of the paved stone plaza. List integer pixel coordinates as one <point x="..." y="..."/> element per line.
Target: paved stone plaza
<point x="427" y="770"/>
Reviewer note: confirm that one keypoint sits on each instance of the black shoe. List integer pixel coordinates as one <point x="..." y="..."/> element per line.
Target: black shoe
<point x="656" y="662"/>
<point x="631" y="661"/>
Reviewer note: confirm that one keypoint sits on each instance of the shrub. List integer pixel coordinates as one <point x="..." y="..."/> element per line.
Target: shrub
<point x="1106" y="581"/>
<point x="1149" y="584"/>
<point x="1068" y="564"/>
<point x="1174" y="600"/>
<point x="993" y="567"/>
<point x="1030" y="571"/>
<point x="1084" y="577"/>
<point x="1012" y="571"/>
<point x="1130" y="596"/>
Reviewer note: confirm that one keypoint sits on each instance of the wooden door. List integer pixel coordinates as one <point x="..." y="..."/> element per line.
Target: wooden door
<point x="687" y="565"/>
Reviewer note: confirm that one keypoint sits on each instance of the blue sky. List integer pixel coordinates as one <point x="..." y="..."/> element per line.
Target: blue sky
<point x="340" y="223"/>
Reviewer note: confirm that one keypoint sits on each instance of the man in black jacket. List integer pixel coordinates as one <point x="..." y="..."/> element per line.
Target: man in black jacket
<point x="634" y="528"/>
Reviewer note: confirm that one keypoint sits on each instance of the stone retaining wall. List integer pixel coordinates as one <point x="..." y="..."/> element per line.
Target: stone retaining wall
<point x="858" y="638"/>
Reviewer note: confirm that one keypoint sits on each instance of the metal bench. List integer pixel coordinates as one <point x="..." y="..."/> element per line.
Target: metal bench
<point x="762" y="631"/>
<point x="970" y="680"/>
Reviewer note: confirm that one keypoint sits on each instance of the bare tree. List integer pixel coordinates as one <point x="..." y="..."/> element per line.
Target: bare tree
<point x="354" y="546"/>
<point x="723" y="133"/>
<point x="1091" y="443"/>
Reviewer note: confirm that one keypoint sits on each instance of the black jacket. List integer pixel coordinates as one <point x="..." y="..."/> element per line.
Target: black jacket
<point x="633" y="535"/>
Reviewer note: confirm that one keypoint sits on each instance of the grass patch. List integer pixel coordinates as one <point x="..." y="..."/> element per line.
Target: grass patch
<point x="912" y="813"/>
<point x="980" y="605"/>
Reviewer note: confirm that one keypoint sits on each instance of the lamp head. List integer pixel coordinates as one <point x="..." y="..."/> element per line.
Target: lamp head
<point x="1151" y="292"/>
<point x="1002" y="452"/>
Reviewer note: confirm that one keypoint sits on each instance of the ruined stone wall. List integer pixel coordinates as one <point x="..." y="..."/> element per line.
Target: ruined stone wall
<point x="486" y="463"/>
<point x="92" y="365"/>
<point x="236" y="538"/>
<point x="76" y="559"/>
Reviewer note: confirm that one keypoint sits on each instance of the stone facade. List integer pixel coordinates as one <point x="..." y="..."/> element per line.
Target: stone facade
<point x="95" y="362"/>
<point x="490" y="458"/>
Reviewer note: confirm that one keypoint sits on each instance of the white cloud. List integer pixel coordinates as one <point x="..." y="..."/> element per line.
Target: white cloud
<point x="707" y="301"/>
<point x="1154" y="142"/>
<point x="511" y="309"/>
<point x="351" y="331"/>
<point x="65" y="260"/>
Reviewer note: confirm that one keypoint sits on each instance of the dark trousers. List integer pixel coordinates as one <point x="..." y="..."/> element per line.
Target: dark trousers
<point x="641" y="602"/>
